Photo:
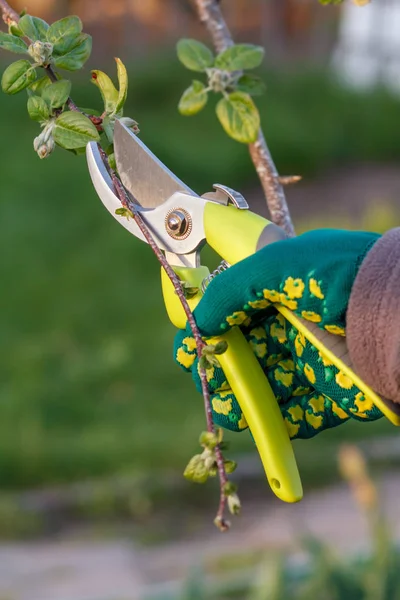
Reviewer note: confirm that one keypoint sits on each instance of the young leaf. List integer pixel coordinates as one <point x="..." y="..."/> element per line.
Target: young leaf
<point x="108" y="128"/>
<point x="196" y="470"/>
<point x="112" y="162"/>
<point x="240" y="56"/>
<point x="73" y="130"/>
<point x="38" y="109"/>
<point x="13" y="29"/>
<point x="108" y="91"/>
<point x="250" y="84"/>
<point x="123" y="85"/>
<point x="230" y="466"/>
<point x="194" y="55"/>
<point x="12" y="43"/>
<point x="221" y="347"/>
<point x="193" y="99"/>
<point x="90" y="111"/>
<point x="239" y="117"/>
<point x="33" y="28"/>
<point x="57" y="93"/>
<point x="17" y="77"/>
<point x="76" y="51"/>
<point x="123" y="211"/>
<point x="37" y="87"/>
<point x="62" y="29"/>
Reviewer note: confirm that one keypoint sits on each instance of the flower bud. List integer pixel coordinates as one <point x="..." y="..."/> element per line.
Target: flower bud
<point x="46" y="149"/>
<point x="41" y="52"/>
<point x="128" y="122"/>
<point x="234" y="504"/>
<point x="44" y="144"/>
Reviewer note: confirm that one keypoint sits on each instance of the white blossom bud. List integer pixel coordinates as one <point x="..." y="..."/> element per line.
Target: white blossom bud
<point x="41" y="52"/>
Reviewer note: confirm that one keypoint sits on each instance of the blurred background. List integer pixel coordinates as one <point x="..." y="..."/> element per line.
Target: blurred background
<point x="96" y="421"/>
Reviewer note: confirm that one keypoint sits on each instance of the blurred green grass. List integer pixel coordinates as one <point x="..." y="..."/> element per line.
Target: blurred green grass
<point x="87" y="381"/>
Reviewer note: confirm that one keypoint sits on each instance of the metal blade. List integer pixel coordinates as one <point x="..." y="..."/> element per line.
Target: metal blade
<point x="148" y="180"/>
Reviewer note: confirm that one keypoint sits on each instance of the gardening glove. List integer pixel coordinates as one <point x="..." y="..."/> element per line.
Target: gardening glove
<point x="341" y="281"/>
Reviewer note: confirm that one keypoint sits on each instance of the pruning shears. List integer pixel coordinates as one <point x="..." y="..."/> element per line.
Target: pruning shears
<point x="181" y="223"/>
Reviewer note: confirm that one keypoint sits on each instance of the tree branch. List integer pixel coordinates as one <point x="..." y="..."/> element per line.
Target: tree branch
<point x="130" y="205"/>
<point x="9" y="14"/>
<point x="211" y="16"/>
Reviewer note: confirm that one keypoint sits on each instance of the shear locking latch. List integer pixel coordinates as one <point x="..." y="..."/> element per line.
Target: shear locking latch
<point x="226" y="195"/>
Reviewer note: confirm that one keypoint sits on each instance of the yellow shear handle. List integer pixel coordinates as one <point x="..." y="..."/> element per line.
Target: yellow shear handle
<point x="236" y="234"/>
<point x="262" y="413"/>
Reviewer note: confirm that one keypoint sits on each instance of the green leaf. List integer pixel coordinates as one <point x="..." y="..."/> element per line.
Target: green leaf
<point x="17" y="77"/>
<point x="37" y="87"/>
<point x="76" y="51"/>
<point x="108" y="128"/>
<point x="90" y="111"/>
<point x="33" y="28"/>
<point x="230" y="488"/>
<point x="221" y="347"/>
<point x="196" y="470"/>
<point x="193" y="99"/>
<point x="57" y="93"/>
<point x="63" y="30"/>
<point x="12" y="43"/>
<point x="194" y="55"/>
<point x="240" y="56"/>
<point x="13" y="29"/>
<point x="112" y="162"/>
<point x="124" y="212"/>
<point x="73" y="130"/>
<point x="123" y="85"/>
<point x="230" y="466"/>
<point x="108" y="91"/>
<point x="239" y="117"/>
<point x="38" y="109"/>
<point x="250" y="84"/>
<point x="208" y="439"/>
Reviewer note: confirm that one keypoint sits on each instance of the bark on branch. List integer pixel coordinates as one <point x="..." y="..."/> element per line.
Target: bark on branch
<point x="9" y="14"/>
<point x="210" y="15"/>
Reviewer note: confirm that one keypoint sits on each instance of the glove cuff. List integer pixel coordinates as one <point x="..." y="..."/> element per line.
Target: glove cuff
<point x="373" y="317"/>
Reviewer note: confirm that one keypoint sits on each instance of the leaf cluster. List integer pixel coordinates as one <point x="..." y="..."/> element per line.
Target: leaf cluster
<point x="204" y="465"/>
<point x="61" y="45"/>
<point x="236" y="110"/>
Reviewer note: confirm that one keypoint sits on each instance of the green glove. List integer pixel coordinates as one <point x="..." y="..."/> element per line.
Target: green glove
<point x="312" y="275"/>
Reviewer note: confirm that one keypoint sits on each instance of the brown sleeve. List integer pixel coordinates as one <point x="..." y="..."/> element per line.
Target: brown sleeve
<point x="373" y="317"/>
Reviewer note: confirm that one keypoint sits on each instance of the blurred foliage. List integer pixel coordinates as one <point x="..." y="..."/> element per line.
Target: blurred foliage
<point x="88" y="384"/>
<point x="320" y="573"/>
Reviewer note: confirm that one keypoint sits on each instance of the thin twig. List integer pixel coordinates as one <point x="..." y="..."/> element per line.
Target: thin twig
<point x="131" y="206"/>
<point x="210" y="14"/>
<point x="289" y="179"/>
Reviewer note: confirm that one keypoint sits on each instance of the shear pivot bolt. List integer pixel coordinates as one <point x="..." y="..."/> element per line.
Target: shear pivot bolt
<point x="178" y="224"/>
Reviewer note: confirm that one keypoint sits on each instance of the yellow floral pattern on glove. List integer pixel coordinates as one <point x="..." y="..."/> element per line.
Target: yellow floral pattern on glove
<point x="300" y="344"/>
<point x="282" y="377"/>
<point x="335" y="329"/>
<point x="309" y="373"/>
<point x="311" y="316"/>
<point x="294" y="288"/>
<point x="362" y="405"/>
<point x="271" y="295"/>
<point x="238" y="318"/>
<point x="343" y="380"/>
<point x="313" y="393"/>
<point x="315" y="288"/>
